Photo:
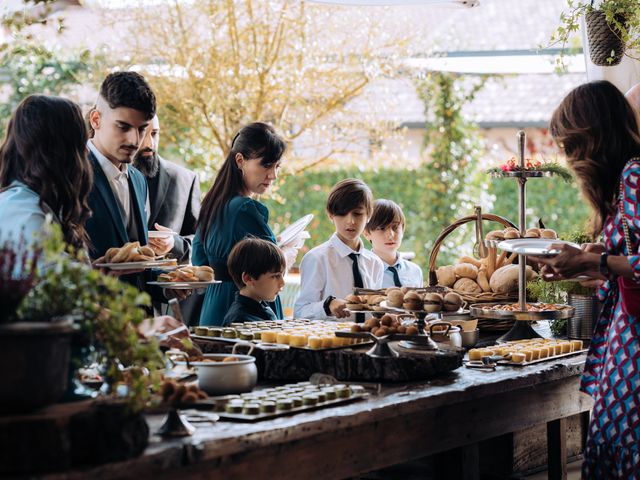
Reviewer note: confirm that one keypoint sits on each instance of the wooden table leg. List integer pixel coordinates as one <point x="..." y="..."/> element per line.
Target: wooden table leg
<point x="461" y="463"/>
<point x="557" y="449"/>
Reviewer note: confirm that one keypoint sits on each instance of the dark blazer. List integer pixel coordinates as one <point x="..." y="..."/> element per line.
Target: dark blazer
<point x="174" y="198"/>
<point x="106" y="227"/>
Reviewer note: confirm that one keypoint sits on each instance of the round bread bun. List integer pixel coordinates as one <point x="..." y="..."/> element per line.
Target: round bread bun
<point x="395" y="298"/>
<point x="205" y="268"/>
<point x="433" y="302"/>
<point x="511" y="233"/>
<point x="452" y="302"/>
<point x="466" y="270"/>
<point x="548" y="233"/>
<point x="412" y="296"/>
<point x="446" y="275"/>
<point x="413" y="305"/>
<point x="353" y="299"/>
<point x="495" y="235"/>
<point x="467" y="285"/>
<point x="532" y="233"/>
<point x="204" y="275"/>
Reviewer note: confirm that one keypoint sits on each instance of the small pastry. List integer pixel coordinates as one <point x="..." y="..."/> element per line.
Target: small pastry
<point x="433" y="303"/>
<point x="229" y="333"/>
<point x="251" y="409"/>
<point x="518" y="357"/>
<point x="511" y="233"/>
<point x="268" y="407"/>
<point x="395" y="298"/>
<point x="310" y="400"/>
<point x="532" y="233"/>
<point x="576" y="345"/>
<point x="548" y="233"/>
<point x="495" y="235"/>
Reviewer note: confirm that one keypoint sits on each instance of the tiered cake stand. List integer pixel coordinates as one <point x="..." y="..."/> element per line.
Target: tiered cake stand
<point x="522" y="327"/>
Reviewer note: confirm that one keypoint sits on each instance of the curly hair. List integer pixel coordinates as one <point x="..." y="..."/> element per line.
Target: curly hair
<point x="129" y="89"/>
<point x="597" y="129"/>
<point x="46" y="148"/>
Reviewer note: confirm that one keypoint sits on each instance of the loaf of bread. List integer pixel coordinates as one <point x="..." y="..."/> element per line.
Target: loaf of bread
<point x="467" y="285"/>
<point x="466" y="270"/>
<point x="505" y="279"/>
<point x="446" y="275"/>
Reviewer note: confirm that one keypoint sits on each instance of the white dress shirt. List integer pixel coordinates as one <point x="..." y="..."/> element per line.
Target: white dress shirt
<point x="410" y="274"/>
<point x="328" y="270"/>
<point x="118" y="179"/>
<point x="119" y="182"/>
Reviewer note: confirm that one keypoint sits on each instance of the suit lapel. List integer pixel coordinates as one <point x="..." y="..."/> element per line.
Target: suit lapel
<point x="139" y="191"/>
<point x="101" y="184"/>
<point x="161" y="193"/>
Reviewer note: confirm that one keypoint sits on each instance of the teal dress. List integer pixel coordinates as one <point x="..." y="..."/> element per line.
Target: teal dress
<point x="242" y="217"/>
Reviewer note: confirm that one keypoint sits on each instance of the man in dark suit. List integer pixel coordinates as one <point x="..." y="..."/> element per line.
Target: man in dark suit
<point x="123" y="112"/>
<point x="174" y="198"/>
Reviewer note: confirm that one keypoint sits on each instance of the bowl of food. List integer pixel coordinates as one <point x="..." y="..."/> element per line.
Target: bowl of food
<point x="223" y="374"/>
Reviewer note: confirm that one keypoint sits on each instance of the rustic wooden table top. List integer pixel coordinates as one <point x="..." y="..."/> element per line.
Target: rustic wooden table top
<point x="401" y="422"/>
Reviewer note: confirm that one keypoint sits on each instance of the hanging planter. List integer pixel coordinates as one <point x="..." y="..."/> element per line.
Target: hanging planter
<point x="606" y="47"/>
<point x="613" y="29"/>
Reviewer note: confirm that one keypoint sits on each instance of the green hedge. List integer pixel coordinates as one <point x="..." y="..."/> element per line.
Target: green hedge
<point x="558" y="203"/>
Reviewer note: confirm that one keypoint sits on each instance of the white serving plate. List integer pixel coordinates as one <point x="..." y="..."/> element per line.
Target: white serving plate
<point x="136" y="265"/>
<point x="293" y="230"/>
<point x="533" y="246"/>
<point x="184" y="285"/>
<point x="160" y="234"/>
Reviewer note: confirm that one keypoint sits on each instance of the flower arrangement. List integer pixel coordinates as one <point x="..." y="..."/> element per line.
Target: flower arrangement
<point x="17" y="274"/>
<point x="512" y="165"/>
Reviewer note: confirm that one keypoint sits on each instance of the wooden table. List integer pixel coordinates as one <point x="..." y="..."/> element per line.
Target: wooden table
<point x="401" y="423"/>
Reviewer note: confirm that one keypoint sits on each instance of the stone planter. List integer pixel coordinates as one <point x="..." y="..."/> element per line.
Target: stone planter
<point x="34" y="364"/>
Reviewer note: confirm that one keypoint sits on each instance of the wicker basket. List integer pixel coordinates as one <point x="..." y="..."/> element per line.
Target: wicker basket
<point x="485" y="297"/>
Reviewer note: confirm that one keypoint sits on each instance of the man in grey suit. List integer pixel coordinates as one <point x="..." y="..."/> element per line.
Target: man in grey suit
<point x="174" y="198"/>
<point x="174" y="201"/>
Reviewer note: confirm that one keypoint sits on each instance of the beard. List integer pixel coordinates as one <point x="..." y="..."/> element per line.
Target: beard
<point x="147" y="164"/>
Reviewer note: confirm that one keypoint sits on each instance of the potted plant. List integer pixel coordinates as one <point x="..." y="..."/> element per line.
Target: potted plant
<point x="104" y="309"/>
<point x="613" y="28"/>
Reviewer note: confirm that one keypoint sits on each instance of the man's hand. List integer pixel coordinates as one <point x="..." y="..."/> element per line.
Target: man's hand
<point x="162" y="245"/>
<point x="337" y="307"/>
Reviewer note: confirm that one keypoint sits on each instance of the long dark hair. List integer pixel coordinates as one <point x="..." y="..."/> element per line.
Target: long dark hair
<point x="46" y="148"/>
<point x="256" y="140"/>
<point x="598" y="130"/>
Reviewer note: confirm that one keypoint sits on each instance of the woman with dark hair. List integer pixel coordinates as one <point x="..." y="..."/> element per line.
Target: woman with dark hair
<point x="230" y="214"/>
<point x="597" y="129"/>
<point x="44" y="170"/>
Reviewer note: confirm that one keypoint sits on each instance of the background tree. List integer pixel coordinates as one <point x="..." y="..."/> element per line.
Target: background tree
<point x="219" y="64"/>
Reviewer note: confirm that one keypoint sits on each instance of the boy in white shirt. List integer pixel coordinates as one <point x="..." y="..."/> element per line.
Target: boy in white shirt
<point x="330" y="272"/>
<point x="385" y="230"/>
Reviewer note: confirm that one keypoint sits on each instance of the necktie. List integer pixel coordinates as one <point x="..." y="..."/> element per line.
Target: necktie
<point x="396" y="277"/>
<point x="357" y="281"/>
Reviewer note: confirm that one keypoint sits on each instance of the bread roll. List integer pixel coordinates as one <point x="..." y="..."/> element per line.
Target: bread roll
<point x="124" y="252"/>
<point x="532" y="233"/>
<point x="548" y="233"/>
<point x="204" y="275"/>
<point x="353" y="299"/>
<point x="495" y="235"/>
<point x="108" y="256"/>
<point x="511" y="233"/>
<point x="446" y="275"/>
<point x="467" y="285"/>
<point x="395" y="298"/>
<point x="505" y="279"/>
<point x="483" y="280"/>
<point x="146" y="250"/>
<point x="412" y="296"/>
<point x="452" y="302"/>
<point x="471" y="260"/>
<point x="433" y="302"/>
<point x="466" y="270"/>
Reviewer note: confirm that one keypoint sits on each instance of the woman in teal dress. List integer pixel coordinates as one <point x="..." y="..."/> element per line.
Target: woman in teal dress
<point x="229" y="213"/>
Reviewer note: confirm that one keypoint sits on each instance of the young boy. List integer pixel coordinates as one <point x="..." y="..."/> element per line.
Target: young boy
<point x="257" y="267"/>
<point x="329" y="272"/>
<point x="385" y="230"/>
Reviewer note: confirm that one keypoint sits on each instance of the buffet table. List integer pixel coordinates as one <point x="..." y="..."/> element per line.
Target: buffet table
<point x="400" y="423"/>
